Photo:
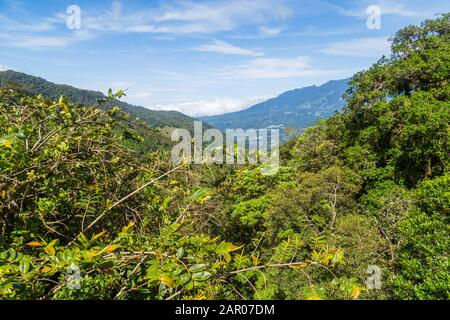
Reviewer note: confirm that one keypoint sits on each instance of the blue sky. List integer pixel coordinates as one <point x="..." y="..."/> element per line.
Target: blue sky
<point x="200" y="57"/>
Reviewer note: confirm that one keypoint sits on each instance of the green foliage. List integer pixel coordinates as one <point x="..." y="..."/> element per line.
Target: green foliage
<point x="155" y="269"/>
<point x="371" y="182"/>
<point x="397" y="113"/>
<point x="423" y="260"/>
<point x="71" y="195"/>
<point x="82" y="192"/>
<point x="61" y="163"/>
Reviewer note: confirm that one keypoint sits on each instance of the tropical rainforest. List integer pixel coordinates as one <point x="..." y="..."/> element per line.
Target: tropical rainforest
<point x="92" y="207"/>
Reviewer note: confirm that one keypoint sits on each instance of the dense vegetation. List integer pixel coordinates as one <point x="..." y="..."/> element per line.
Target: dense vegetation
<point x="367" y="187"/>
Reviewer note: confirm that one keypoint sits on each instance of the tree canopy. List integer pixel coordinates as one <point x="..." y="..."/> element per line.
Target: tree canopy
<point x="367" y="189"/>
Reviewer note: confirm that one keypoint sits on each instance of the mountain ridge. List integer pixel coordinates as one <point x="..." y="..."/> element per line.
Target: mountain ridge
<point x="38" y="85"/>
<point x="297" y="109"/>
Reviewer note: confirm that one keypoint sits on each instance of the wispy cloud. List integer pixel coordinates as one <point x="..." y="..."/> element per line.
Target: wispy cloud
<point x="261" y="33"/>
<point x="363" y="47"/>
<point x="211" y="107"/>
<point x="269" y="32"/>
<point x="272" y="68"/>
<point x="39" y="41"/>
<point x="8" y="24"/>
<point x="177" y="18"/>
<point x="391" y="8"/>
<point x="386" y="7"/>
<point x="227" y="48"/>
<point x="186" y="17"/>
<point x="41" y="34"/>
<point x="267" y="46"/>
<point x="3" y="68"/>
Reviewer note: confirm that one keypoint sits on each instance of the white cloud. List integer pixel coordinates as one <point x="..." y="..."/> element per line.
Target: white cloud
<point x="227" y="48"/>
<point x="399" y="8"/>
<point x="8" y="24"/>
<point x="269" y="32"/>
<point x="363" y="47"/>
<point x="4" y="68"/>
<point x="387" y="8"/>
<point x="270" y="68"/>
<point x="396" y="9"/>
<point x="30" y="34"/>
<point x="39" y="42"/>
<point x="211" y="107"/>
<point x="186" y="17"/>
<point x="261" y="33"/>
<point x="177" y="18"/>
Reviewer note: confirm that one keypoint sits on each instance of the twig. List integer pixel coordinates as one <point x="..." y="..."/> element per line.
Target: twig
<point x="274" y="266"/>
<point x="174" y="295"/>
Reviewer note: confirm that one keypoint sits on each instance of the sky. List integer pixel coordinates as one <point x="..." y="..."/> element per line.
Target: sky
<point x="201" y="57"/>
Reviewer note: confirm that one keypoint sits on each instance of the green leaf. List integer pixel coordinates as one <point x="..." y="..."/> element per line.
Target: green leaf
<point x="227" y="257"/>
<point x="53" y="242"/>
<point x="24" y="266"/>
<point x="98" y="235"/>
<point x="189" y="285"/>
<point x="50" y="250"/>
<point x="314" y="293"/>
<point x="166" y="280"/>
<point x="184" y="278"/>
<point x="12" y="254"/>
<point x="227" y="247"/>
<point x="197" y="268"/>
<point x="120" y="94"/>
<point x="180" y="253"/>
<point x="201" y="276"/>
<point x="153" y="272"/>
<point x="128" y="228"/>
<point x="8" y="141"/>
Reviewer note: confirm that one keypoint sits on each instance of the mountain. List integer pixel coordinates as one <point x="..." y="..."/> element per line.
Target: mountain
<point x="297" y="109"/>
<point x="35" y="85"/>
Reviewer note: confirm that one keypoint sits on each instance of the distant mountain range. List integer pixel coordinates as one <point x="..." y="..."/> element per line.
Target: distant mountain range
<point x="296" y="109"/>
<point x="35" y="85"/>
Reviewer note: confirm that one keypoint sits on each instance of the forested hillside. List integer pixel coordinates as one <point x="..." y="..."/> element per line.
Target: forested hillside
<point x="296" y="109"/>
<point x="367" y="189"/>
<point x="35" y="86"/>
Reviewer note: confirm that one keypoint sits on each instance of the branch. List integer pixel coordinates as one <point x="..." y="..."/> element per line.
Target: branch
<point x="277" y="265"/>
